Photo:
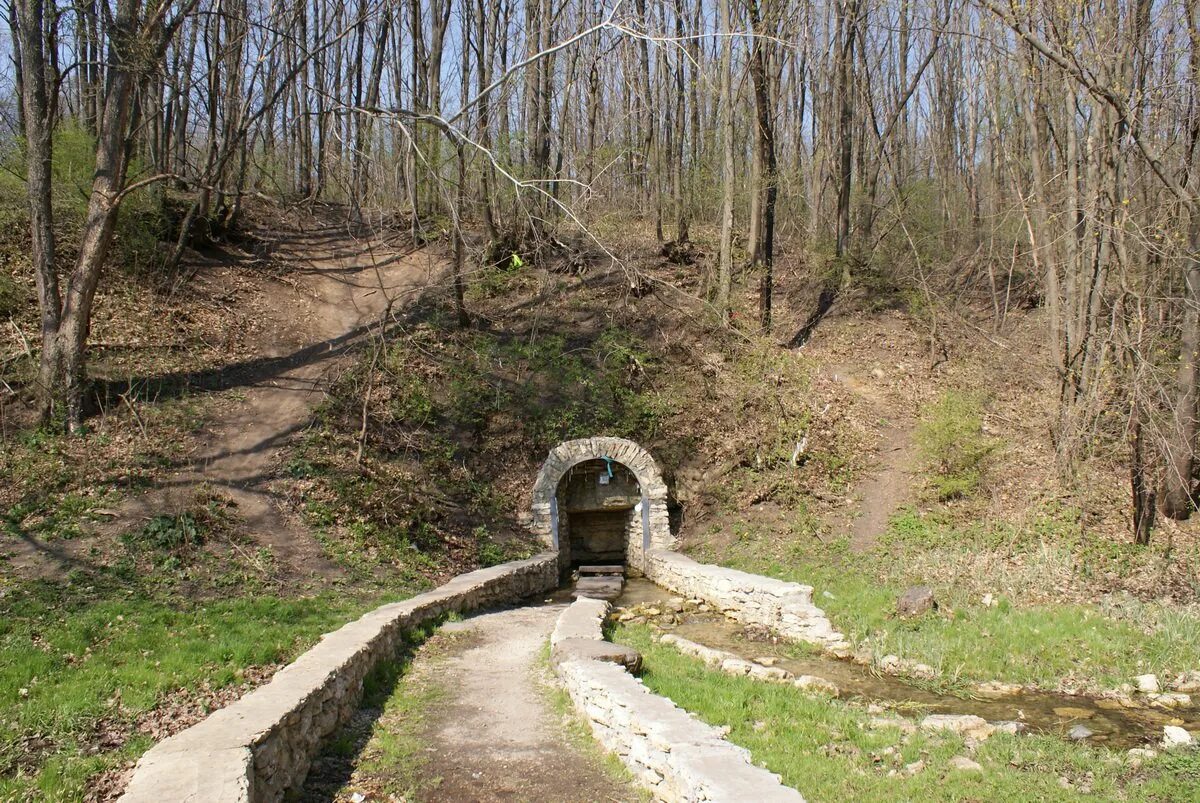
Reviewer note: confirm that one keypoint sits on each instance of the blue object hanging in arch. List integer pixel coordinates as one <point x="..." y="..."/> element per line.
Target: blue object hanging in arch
<point x="608" y="462"/>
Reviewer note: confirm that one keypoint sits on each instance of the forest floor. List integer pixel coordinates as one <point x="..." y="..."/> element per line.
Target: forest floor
<point x="325" y="294"/>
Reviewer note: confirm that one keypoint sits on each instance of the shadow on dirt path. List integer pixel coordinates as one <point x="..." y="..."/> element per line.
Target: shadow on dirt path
<point x="328" y="289"/>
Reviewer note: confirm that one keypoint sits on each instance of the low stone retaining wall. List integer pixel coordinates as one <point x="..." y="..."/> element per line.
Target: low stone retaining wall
<point x="785" y="608"/>
<point x="583" y="619"/>
<point x="670" y="752"/>
<point x="261" y="746"/>
<point x="732" y="664"/>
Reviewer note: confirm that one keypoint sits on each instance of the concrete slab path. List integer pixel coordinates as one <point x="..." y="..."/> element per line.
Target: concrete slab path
<point x="498" y="736"/>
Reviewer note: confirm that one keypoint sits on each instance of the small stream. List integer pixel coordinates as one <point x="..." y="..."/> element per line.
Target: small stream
<point x="1041" y="712"/>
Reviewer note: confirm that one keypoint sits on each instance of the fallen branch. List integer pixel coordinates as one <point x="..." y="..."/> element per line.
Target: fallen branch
<point x="136" y="417"/>
<point x="802" y="444"/>
<point x="21" y="335"/>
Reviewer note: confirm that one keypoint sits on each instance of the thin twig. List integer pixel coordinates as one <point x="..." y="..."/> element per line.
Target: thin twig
<point x="125" y="398"/>
<point x="21" y="335"/>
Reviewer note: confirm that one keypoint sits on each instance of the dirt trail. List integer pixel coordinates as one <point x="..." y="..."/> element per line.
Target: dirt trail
<point x="497" y="737"/>
<point x="889" y="482"/>
<point x="326" y="291"/>
<point x="340" y="287"/>
<point x="343" y="286"/>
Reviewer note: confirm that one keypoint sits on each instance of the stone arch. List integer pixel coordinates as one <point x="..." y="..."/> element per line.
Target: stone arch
<point x="655" y="529"/>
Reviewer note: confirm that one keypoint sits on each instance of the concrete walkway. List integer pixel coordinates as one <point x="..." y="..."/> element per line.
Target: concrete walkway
<point x="498" y="736"/>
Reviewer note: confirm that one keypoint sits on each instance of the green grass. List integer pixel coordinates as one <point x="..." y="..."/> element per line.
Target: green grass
<point x="1089" y="646"/>
<point x="73" y="655"/>
<point x="824" y="749"/>
<point x="951" y="442"/>
<point x="388" y="758"/>
<point x="396" y="748"/>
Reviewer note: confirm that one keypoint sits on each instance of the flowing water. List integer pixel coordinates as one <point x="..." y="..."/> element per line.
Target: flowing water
<point x="1041" y="712"/>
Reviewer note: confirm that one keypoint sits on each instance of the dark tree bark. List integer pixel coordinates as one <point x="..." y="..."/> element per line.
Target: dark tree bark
<point x="764" y="118"/>
<point x="847" y="27"/>
<point x="1177" y="499"/>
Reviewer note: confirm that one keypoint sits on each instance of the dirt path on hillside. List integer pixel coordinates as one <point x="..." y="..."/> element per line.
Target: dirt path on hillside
<point x="323" y="293"/>
<point x="889" y="483"/>
<point x="497" y="736"/>
<point x="338" y="287"/>
<point x="342" y="287"/>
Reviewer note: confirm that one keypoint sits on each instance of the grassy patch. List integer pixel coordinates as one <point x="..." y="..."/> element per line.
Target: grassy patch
<point x="1050" y="643"/>
<point x="90" y="655"/>
<point x="397" y="750"/>
<point x="825" y="749"/>
<point x="951" y="441"/>
<point x="383" y="754"/>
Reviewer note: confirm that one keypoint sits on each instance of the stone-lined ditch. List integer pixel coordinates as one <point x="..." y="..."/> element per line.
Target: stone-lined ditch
<point x="1110" y="722"/>
<point x="670" y="752"/>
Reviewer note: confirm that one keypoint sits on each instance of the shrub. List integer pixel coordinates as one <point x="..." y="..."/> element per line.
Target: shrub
<point x="951" y="441"/>
<point x="169" y="539"/>
<point x="140" y="226"/>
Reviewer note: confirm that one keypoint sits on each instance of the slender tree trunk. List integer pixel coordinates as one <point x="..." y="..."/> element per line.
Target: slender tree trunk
<point x="847" y="27"/>
<point x="677" y="182"/>
<point x="1177" y="498"/>
<point x="37" y="118"/>
<point x="766" y="143"/>
<point x="725" y="257"/>
<point x="101" y="219"/>
<point x="483" y="60"/>
<point x="1141" y="490"/>
<point x="460" y="244"/>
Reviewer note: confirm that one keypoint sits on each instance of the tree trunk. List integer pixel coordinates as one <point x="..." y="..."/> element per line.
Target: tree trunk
<point x="1141" y="491"/>
<point x="766" y="144"/>
<point x="847" y="27"/>
<point x="725" y="257"/>
<point x="1176" y="495"/>
<point x="36" y="114"/>
<point x="103" y="207"/>
<point x="460" y="244"/>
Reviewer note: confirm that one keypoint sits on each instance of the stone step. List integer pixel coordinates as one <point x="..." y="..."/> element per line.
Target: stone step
<point x="603" y="587"/>
<point x="615" y="568"/>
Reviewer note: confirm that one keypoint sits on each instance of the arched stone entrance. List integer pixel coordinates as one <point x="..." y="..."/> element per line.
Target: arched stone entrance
<point x="597" y="485"/>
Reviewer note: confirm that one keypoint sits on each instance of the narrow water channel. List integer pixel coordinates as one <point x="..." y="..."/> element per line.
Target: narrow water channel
<point x="1041" y="712"/>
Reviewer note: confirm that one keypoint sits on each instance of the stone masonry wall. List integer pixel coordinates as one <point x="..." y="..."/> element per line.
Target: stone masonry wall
<point x="260" y="747"/>
<point x="653" y="491"/>
<point x="670" y="752"/>
<point x="785" y="608"/>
